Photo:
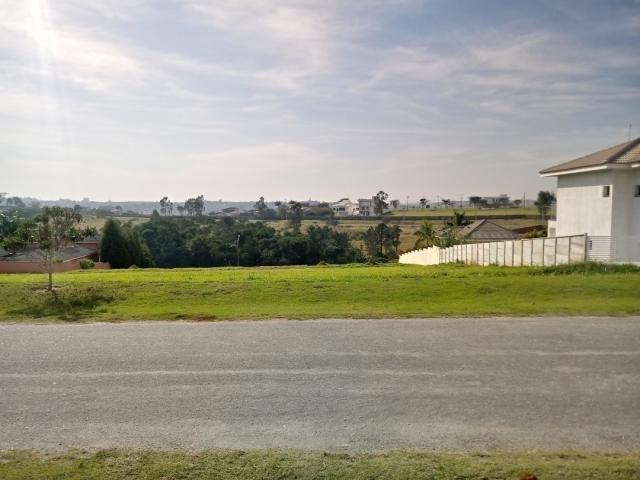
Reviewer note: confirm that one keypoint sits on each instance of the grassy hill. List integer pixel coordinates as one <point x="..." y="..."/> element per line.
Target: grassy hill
<point x="358" y="291"/>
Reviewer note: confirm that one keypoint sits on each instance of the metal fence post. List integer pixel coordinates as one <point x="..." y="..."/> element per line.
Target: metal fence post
<point x="586" y="246"/>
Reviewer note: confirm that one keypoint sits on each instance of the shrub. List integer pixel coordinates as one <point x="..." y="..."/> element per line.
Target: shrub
<point x="86" y="264"/>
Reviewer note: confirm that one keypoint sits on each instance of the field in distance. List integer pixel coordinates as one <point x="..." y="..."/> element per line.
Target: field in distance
<point x="469" y="211"/>
<point x="355" y="291"/>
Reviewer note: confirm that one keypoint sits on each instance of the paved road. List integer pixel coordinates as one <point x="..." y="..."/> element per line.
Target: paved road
<point x="461" y="384"/>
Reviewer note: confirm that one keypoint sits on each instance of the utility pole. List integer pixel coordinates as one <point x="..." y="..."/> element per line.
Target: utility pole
<point x="407" y="203"/>
<point x="238" y="251"/>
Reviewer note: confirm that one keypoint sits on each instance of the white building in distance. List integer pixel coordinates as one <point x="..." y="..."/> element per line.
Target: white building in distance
<point x="345" y="208"/>
<point x="599" y="194"/>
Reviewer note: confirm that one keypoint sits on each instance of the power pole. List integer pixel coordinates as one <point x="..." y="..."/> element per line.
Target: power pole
<point x="238" y="251"/>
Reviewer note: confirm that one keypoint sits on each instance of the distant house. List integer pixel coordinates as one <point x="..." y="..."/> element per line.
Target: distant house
<point x="232" y="212"/>
<point x="485" y="231"/>
<point x="30" y="260"/>
<point x="344" y="208"/>
<point x="599" y="194"/>
<point x="365" y="207"/>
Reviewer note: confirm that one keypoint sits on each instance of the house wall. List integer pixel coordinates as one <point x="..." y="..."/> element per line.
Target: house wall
<point x="626" y="216"/>
<point x="581" y="207"/>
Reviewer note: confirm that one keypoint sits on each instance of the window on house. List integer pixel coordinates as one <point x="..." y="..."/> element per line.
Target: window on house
<point x="606" y="190"/>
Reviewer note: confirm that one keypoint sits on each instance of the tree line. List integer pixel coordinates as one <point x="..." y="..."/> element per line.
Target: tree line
<point x="204" y="242"/>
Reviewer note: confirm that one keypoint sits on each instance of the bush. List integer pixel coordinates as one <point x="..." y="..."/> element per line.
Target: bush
<point x="86" y="264"/>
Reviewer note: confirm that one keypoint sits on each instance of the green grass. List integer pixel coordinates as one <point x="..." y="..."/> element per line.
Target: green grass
<point x="357" y="291"/>
<point x="288" y="464"/>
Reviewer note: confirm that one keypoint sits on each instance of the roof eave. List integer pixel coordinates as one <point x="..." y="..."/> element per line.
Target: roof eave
<point x="608" y="166"/>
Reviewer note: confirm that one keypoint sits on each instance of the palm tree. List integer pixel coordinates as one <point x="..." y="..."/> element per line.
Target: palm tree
<point x="426" y="235"/>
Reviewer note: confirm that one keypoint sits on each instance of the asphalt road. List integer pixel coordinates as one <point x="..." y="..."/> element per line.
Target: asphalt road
<point x="354" y="385"/>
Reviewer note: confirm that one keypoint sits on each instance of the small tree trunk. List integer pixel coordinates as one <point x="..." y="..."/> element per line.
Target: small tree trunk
<point x="50" y="270"/>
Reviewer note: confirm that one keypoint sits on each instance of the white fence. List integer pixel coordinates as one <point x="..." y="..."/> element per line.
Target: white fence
<point x="515" y="253"/>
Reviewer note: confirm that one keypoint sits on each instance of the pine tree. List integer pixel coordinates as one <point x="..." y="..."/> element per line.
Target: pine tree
<point x="114" y="247"/>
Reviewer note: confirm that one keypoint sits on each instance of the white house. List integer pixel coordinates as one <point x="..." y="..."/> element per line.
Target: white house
<point x="365" y="207"/>
<point x="599" y="194"/>
<point x="344" y="208"/>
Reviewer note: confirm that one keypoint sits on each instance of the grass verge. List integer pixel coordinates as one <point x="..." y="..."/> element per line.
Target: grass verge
<point x="287" y="464"/>
<point x="356" y="291"/>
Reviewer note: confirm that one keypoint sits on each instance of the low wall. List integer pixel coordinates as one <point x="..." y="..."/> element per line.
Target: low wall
<point x="423" y="256"/>
<point x="8" y="266"/>
<point x="514" y="253"/>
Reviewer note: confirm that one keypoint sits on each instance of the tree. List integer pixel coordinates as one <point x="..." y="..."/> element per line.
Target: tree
<point x="459" y="219"/>
<point x="475" y="201"/>
<point x="380" y="203"/>
<point x="166" y="206"/>
<point x="114" y="247"/>
<point x="181" y="209"/>
<point x="122" y="247"/>
<point x="261" y="207"/>
<point x="447" y="202"/>
<point x="517" y="202"/>
<point x="15" y="233"/>
<point x="199" y="205"/>
<point x="295" y="214"/>
<point x="426" y="235"/>
<point x="138" y="253"/>
<point x="194" y="206"/>
<point x="503" y="201"/>
<point x="423" y="202"/>
<point x="54" y="229"/>
<point x="381" y="240"/>
<point x="544" y="202"/>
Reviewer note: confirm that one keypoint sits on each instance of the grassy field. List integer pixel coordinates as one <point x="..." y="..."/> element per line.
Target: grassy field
<point x="357" y="291"/>
<point x="470" y="212"/>
<point x="285" y="464"/>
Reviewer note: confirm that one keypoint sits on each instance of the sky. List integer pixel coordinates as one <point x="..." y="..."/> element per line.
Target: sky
<point x="299" y="99"/>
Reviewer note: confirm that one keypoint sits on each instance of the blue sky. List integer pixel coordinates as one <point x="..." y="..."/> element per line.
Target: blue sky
<point x="135" y="99"/>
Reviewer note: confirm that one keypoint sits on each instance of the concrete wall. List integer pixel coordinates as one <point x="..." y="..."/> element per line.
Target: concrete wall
<point x="423" y="256"/>
<point x="515" y="253"/>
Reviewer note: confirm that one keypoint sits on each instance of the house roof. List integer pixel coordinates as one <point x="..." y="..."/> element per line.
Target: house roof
<point x="625" y="153"/>
<point x="486" y="230"/>
<point x="32" y="254"/>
